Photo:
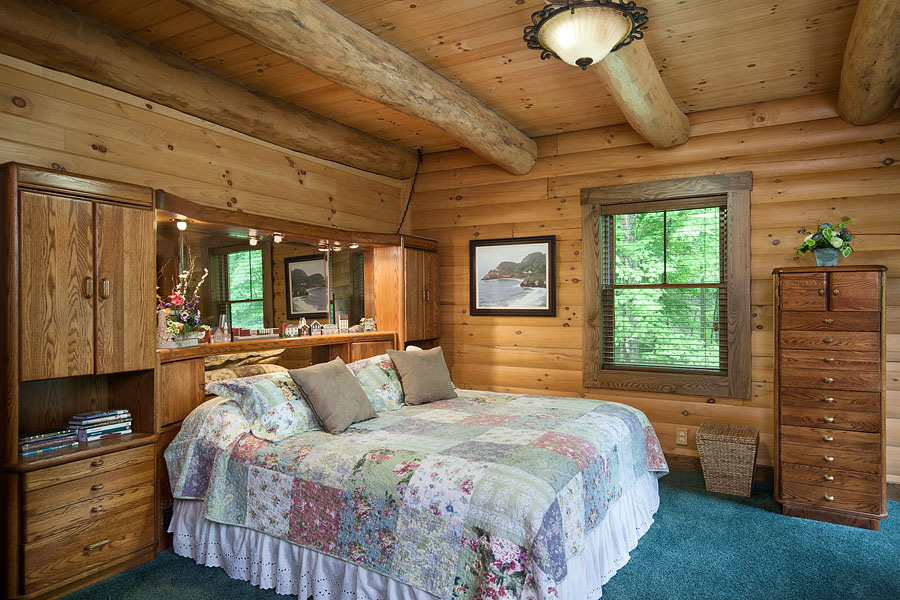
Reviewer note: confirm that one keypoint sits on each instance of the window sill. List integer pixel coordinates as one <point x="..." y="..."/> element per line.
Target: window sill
<point x="659" y="383"/>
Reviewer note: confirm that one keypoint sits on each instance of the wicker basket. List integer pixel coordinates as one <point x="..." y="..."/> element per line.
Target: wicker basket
<point x="728" y="455"/>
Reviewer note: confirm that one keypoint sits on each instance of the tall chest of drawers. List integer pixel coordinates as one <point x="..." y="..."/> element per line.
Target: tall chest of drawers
<point x="829" y="394"/>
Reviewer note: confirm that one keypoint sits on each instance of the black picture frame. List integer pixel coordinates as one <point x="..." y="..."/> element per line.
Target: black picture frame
<point x="289" y="292"/>
<point x="482" y="256"/>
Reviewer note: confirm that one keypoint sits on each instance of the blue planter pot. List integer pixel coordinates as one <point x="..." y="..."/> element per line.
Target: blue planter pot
<point x="827" y="257"/>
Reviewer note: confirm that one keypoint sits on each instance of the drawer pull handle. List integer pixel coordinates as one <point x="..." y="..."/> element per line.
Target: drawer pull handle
<point x="836" y="292"/>
<point x="828" y="360"/>
<point x="829" y="477"/>
<point x="829" y="498"/>
<point x="96" y="545"/>
<point x="88" y="287"/>
<point x="97" y="509"/>
<point x="821" y="292"/>
<point x="97" y="463"/>
<point x="828" y="380"/>
<point x="96" y="487"/>
<point x="827" y="438"/>
<point x="828" y="419"/>
<point x="104" y="288"/>
<point x="828" y="321"/>
<point x="828" y="399"/>
<point x="827" y="340"/>
<point x="829" y="458"/>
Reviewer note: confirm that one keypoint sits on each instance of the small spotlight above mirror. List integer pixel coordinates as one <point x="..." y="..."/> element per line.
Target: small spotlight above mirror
<point x="277" y="237"/>
<point x="181" y="224"/>
<point x="353" y="245"/>
<point x="253" y="240"/>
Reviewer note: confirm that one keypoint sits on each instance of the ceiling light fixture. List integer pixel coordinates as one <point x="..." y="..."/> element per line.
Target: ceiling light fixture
<point x="582" y="32"/>
<point x="277" y="237"/>
<point x="181" y="224"/>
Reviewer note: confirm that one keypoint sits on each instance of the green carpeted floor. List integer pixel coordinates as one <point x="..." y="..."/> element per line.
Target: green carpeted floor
<point x="702" y="546"/>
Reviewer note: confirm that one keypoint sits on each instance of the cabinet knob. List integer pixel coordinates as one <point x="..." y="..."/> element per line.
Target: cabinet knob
<point x="821" y="292"/>
<point x="828" y="419"/>
<point x="836" y="292"/>
<point x="827" y="438"/>
<point x="97" y="463"/>
<point x="829" y="498"/>
<point x="96" y="487"/>
<point x="96" y="545"/>
<point x="88" y="287"/>
<point x="828" y="380"/>
<point x="828" y="399"/>
<point x="829" y="477"/>
<point x="829" y="459"/>
<point x="828" y="321"/>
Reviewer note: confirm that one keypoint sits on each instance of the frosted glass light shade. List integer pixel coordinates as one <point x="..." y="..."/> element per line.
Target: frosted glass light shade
<point x="584" y="37"/>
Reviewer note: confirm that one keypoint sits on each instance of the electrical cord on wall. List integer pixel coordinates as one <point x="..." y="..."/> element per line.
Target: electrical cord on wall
<point x="412" y="188"/>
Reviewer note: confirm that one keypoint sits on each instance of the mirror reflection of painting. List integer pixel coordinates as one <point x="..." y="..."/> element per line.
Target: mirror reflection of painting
<point x="307" y="286"/>
<point x="512" y="276"/>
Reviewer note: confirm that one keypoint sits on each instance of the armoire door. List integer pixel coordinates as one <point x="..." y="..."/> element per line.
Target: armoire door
<point x="126" y="281"/>
<point x="415" y="294"/>
<point x="431" y="312"/>
<point x="56" y="287"/>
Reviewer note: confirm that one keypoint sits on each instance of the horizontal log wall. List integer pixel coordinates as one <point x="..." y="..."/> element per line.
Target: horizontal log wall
<point x="808" y="165"/>
<point x="48" y="118"/>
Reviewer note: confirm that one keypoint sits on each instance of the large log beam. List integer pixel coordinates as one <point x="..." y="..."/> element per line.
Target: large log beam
<point x="317" y="37"/>
<point x="870" y="75"/>
<point x="57" y="38"/>
<point x="634" y="83"/>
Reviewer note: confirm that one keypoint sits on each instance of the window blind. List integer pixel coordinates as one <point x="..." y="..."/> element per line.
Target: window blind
<point x="663" y="286"/>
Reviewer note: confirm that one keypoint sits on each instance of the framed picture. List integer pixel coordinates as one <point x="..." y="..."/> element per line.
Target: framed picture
<point x="514" y="277"/>
<point x="306" y="286"/>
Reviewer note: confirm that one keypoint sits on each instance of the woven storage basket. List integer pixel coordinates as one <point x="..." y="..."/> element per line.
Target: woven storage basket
<point x="728" y="456"/>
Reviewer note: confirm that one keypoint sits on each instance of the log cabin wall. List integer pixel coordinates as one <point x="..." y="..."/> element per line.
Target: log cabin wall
<point x="55" y="120"/>
<point x="807" y="164"/>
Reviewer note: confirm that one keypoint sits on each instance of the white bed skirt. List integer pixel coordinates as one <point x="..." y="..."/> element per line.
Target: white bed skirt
<point x="269" y="562"/>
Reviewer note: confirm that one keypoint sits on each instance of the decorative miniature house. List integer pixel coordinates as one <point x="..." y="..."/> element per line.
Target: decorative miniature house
<point x="315" y="328"/>
<point x="290" y="330"/>
<point x="330" y="329"/>
<point x="218" y="335"/>
<point x="344" y="324"/>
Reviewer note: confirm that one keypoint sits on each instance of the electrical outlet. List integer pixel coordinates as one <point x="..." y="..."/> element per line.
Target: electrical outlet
<point x="681" y="436"/>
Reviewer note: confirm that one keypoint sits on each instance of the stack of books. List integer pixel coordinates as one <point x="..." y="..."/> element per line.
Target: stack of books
<point x="100" y="424"/>
<point x="46" y="441"/>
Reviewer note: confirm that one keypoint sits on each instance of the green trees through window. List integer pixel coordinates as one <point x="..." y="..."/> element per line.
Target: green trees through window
<point x="244" y="289"/>
<point x="664" y="290"/>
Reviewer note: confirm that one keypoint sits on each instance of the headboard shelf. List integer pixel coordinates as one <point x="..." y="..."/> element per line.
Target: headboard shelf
<point x="202" y="350"/>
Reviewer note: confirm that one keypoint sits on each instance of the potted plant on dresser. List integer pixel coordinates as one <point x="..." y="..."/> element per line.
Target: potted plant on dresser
<point x="827" y="243"/>
<point x="178" y="315"/>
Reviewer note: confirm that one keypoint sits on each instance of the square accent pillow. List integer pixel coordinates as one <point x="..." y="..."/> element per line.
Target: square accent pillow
<point x="271" y="402"/>
<point x="334" y="394"/>
<point x="380" y="381"/>
<point x="424" y="375"/>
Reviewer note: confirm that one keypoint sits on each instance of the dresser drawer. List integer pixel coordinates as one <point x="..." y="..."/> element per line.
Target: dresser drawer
<point x="86" y="488"/>
<point x="831" y="439"/>
<point x="59" y="557"/>
<point x="830" y="418"/>
<point x="75" y="517"/>
<point x="868" y="483"/>
<point x="826" y="379"/>
<point x="846" y="460"/>
<point x="42" y="478"/>
<point x="830" y="321"/>
<point x="830" y="359"/>
<point x="840" y="400"/>
<point x="831" y="497"/>
<point x="803" y="291"/>
<point x="825" y="340"/>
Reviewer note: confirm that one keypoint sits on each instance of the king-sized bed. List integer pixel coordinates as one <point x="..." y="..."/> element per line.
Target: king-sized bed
<point x="486" y="495"/>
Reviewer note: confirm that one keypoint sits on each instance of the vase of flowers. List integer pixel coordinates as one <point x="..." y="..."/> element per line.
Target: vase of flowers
<point x="827" y="243"/>
<point x="178" y="315"/>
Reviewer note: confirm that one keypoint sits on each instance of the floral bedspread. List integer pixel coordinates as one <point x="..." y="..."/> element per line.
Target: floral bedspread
<point x="483" y="496"/>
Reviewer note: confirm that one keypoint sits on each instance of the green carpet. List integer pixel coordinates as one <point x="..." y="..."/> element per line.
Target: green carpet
<point x="702" y="546"/>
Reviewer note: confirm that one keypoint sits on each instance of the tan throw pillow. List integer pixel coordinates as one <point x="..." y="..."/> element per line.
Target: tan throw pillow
<point x="424" y="375"/>
<point x="334" y="395"/>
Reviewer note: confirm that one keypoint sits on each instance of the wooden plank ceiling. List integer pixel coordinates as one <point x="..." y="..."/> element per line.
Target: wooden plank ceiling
<point x="712" y="54"/>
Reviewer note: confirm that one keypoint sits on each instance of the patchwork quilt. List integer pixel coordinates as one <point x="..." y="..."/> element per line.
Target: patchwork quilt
<point x="483" y="496"/>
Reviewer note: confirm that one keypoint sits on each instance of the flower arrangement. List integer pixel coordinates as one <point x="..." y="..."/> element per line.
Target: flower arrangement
<point x="827" y="235"/>
<point x="183" y="314"/>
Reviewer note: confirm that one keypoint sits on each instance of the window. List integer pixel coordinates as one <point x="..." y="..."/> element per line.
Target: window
<point x="239" y="276"/>
<point x="667" y="286"/>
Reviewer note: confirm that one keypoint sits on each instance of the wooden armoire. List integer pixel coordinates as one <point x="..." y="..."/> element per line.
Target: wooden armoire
<point x="78" y="302"/>
<point x="830" y="394"/>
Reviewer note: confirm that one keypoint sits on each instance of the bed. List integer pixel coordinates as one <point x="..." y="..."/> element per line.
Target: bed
<point x="484" y="496"/>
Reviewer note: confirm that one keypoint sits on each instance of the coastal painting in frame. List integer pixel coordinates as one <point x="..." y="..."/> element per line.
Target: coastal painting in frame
<point x="513" y="276"/>
<point x="306" y="283"/>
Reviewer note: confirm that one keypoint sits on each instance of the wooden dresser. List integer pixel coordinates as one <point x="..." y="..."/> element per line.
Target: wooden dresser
<point x="78" y="302"/>
<point x="830" y="394"/>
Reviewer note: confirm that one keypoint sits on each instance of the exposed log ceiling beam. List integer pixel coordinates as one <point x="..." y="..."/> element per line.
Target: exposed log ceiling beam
<point x="870" y="75"/>
<point x="43" y="33"/>
<point x="634" y="83"/>
<point x="317" y="37"/>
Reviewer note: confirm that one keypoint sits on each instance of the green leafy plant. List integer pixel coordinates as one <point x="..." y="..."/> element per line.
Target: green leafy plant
<point x="827" y="235"/>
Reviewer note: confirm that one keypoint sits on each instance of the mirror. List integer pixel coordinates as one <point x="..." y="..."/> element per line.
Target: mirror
<point x="261" y="285"/>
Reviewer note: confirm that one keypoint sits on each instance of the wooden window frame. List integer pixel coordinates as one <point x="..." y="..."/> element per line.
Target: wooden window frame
<point x="736" y="383"/>
<point x="267" y="299"/>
